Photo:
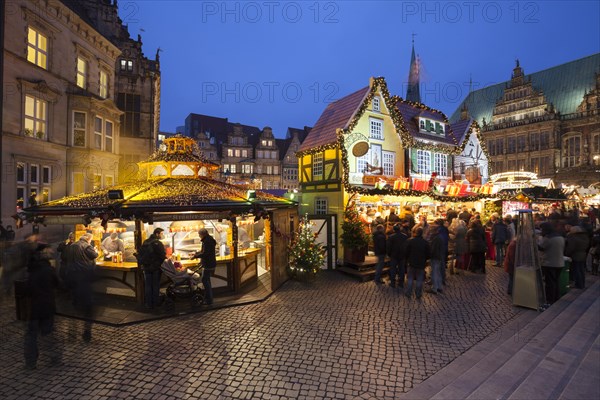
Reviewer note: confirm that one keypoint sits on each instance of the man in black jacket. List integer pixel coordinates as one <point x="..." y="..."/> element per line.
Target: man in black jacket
<point x="417" y="254"/>
<point x="209" y="262"/>
<point x="152" y="268"/>
<point x="500" y="238"/>
<point x="396" y="244"/>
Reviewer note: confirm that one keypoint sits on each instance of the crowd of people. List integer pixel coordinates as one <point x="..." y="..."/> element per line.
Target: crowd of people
<point x="460" y="241"/>
<point x="28" y="266"/>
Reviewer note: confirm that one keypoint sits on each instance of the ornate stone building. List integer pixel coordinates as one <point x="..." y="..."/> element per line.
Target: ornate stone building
<point x="545" y="122"/>
<point x="136" y="84"/>
<point x="62" y="128"/>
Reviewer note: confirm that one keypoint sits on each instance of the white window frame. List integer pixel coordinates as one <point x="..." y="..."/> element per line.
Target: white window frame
<point x="237" y="152"/>
<point x="23" y="167"/>
<point x="572" y="157"/>
<point x="244" y="153"/>
<point x="36" y="54"/>
<point x="38" y="119"/>
<point x="423" y="162"/>
<point x="361" y="162"/>
<point x="229" y="152"/>
<point x="317" y="164"/>
<point x="232" y="168"/>
<point x="376" y="128"/>
<point x="269" y="170"/>
<point x="388" y="163"/>
<point x="440" y="164"/>
<point x="98" y="135"/>
<point x="82" y="72"/>
<point x="321" y="206"/>
<point x="376" y="104"/>
<point x="76" y="129"/>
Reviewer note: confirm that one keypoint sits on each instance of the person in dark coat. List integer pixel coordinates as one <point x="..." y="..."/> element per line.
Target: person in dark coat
<point x="41" y="284"/>
<point x="379" y="247"/>
<point x="438" y="252"/>
<point x="465" y="215"/>
<point x="477" y="246"/>
<point x="500" y="237"/>
<point x="396" y="244"/>
<point x="152" y="269"/>
<point x="445" y="236"/>
<point x="393" y="217"/>
<point x="576" y="247"/>
<point x="62" y="250"/>
<point x="417" y="254"/>
<point x="451" y="215"/>
<point x="209" y="262"/>
<point x="81" y="262"/>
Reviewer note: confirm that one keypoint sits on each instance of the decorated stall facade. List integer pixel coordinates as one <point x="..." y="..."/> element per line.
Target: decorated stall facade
<point x="362" y="145"/>
<point x="177" y="193"/>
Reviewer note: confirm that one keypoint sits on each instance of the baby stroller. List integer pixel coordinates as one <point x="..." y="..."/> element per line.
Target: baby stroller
<point x="185" y="283"/>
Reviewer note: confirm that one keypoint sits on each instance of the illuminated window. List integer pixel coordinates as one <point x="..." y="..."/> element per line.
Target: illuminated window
<point x="317" y="164"/>
<point x="78" y="183"/>
<point x="440" y="164"/>
<point x="376" y="128"/>
<point x="321" y="206"/>
<point x="423" y="162"/>
<point x="276" y="169"/>
<point x="388" y="163"/>
<point x="270" y="143"/>
<point x="232" y="168"/>
<point x="263" y="142"/>
<point x="35" y="117"/>
<point x="79" y="128"/>
<point x="361" y="162"/>
<point x="109" y="180"/>
<point x="97" y="182"/>
<point x="37" y="48"/>
<point x="81" y="73"/>
<point x="244" y="153"/>
<point x="376" y="104"/>
<point x="237" y="152"/>
<point x="269" y="170"/>
<point x="126" y="65"/>
<point x="103" y="85"/>
<point x="229" y="152"/>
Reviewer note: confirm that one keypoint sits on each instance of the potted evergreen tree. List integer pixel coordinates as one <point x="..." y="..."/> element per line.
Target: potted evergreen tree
<point x="306" y="255"/>
<point x="354" y="238"/>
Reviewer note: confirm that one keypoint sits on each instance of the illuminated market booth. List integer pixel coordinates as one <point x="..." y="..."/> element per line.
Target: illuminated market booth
<point x="176" y="192"/>
<point x="370" y="150"/>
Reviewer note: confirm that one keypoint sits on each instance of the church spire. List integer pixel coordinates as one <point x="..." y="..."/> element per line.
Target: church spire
<point x="412" y="92"/>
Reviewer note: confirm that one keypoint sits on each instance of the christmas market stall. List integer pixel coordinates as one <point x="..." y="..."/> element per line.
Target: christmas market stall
<point x="176" y="192"/>
<point x="376" y="153"/>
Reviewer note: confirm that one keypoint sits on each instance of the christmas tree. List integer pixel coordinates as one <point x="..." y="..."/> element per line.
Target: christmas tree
<point x="306" y="255"/>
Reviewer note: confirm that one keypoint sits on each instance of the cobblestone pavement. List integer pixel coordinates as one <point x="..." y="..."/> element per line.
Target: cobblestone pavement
<point x="334" y="338"/>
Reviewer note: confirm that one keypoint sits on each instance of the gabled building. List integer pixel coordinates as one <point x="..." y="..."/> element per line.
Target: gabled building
<point x="547" y="122"/>
<point x="247" y="154"/>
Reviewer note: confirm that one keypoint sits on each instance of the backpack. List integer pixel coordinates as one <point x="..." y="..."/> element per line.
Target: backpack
<point x="145" y="255"/>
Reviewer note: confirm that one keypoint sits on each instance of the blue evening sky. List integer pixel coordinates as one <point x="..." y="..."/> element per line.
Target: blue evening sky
<point x="279" y="63"/>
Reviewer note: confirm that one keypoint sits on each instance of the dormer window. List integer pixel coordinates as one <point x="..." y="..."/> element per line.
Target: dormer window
<point x="376" y="104"/>
<point x="432" y="127"/>
<point x="422" y="125"/>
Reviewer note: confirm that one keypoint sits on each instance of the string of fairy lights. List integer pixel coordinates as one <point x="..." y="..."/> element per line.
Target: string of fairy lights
<point x="407" y="141"/>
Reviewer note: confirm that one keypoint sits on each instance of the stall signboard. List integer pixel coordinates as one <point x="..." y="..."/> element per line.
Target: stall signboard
<point x="190" y="216"/>
<point x="512" y="207"/>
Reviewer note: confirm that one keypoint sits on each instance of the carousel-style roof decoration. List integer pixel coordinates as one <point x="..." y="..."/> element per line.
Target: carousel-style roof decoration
<point x="178" y="157"/>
